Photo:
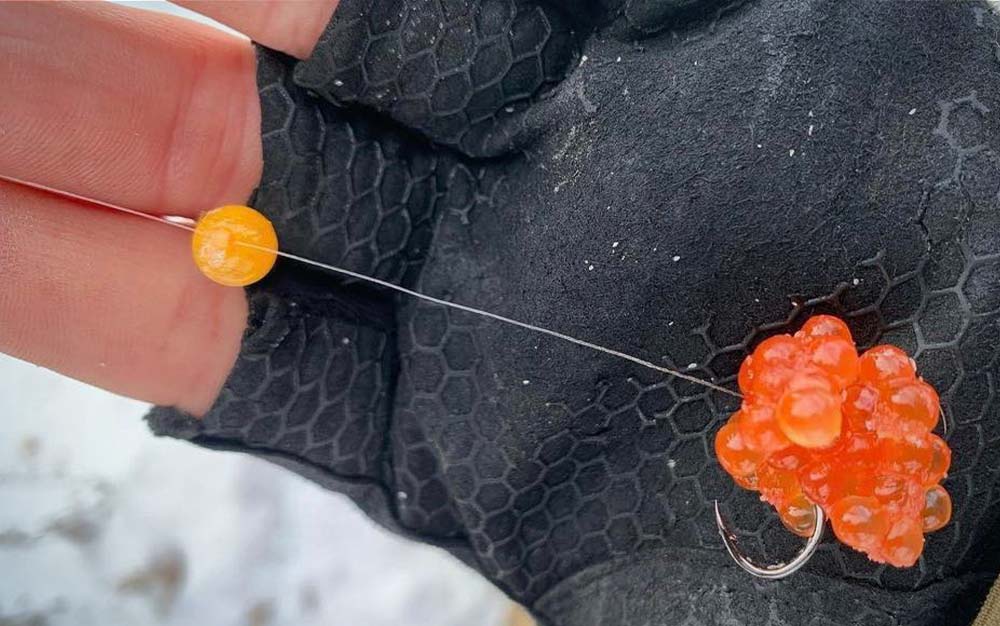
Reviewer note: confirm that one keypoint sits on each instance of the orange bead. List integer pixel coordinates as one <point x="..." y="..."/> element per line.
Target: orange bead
<point x="903" y="543"/>
<point x="810" y="418"/>
<point x="859" y="522"/>
<point x="733" y="454"/>
<point x="937" y="509"/>
<point x="885" y="363"/>
<point x="799" y="515"/>
<point x="218" y="253"/>
<point x="826" y="326"/>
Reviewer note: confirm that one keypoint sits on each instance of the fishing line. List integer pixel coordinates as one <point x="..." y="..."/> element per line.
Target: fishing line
<point x="188" y="225"/>
<point x="183" y="223"/>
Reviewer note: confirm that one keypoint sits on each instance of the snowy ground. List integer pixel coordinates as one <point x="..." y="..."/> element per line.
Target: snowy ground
<point x="103" y="525"/>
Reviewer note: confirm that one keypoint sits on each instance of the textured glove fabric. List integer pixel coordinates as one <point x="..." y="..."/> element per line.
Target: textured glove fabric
<point x="677" y="179"/>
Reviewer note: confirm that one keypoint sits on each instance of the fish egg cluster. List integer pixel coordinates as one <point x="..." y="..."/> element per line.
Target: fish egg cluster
<point x="821" y="425"/>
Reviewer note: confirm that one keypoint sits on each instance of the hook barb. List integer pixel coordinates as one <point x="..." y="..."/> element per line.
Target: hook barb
<point x="771" y="572"/>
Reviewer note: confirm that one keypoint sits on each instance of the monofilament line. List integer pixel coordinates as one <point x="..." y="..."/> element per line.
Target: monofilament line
<point x="497" y="317"/>
<point x="185" y="224"/>
<point x="178" y="222"/>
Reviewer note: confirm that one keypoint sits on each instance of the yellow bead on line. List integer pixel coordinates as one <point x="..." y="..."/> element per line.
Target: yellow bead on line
<point x="216" y="249"/>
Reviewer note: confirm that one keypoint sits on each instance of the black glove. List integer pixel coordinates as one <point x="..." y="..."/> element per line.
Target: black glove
<point x="676" y="179"/>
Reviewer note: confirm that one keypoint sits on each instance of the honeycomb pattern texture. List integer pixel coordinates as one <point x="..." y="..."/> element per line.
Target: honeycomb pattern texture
<point x="354" y="192"/>
<point x="330" y="407"/>
<point x="733" y="601"/>
<point x="692" y="178"/>
<point x="455" y="71"/>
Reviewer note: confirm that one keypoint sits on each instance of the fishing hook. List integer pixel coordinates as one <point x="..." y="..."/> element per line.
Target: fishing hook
<point x="770" y="572"/>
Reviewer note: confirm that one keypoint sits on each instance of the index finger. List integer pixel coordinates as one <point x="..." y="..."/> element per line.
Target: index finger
<point x="150" y="111"/>
<point x="292" y="27"/>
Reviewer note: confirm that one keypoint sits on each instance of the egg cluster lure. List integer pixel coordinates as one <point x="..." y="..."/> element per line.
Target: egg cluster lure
<point x="824" y="432"/>
<point x="820" y="431"/>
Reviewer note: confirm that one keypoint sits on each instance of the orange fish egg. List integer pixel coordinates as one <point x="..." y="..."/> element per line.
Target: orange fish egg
<point x="798" y="515"/>
<point x="810" y="418"/>
<point x="220" y="249"/>
<point x="903" y="543"/>
<point x="859" y="521"/>
<point x="936" y="510"/>
<point x="822" y="425"/>
<point x="733" y="453"/>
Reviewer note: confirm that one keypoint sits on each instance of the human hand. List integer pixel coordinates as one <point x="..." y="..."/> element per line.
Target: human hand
<point x="769" y="149"/>
<point x="145" y="110"/>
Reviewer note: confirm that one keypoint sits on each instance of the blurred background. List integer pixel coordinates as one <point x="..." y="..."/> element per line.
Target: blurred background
<point x="101" y="524"/>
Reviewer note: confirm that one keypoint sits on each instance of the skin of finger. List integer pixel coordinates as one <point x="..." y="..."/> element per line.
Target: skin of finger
<point x="292" y="27"/>
<point x="153" y="112"/>
<point x="114" y="301"/>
